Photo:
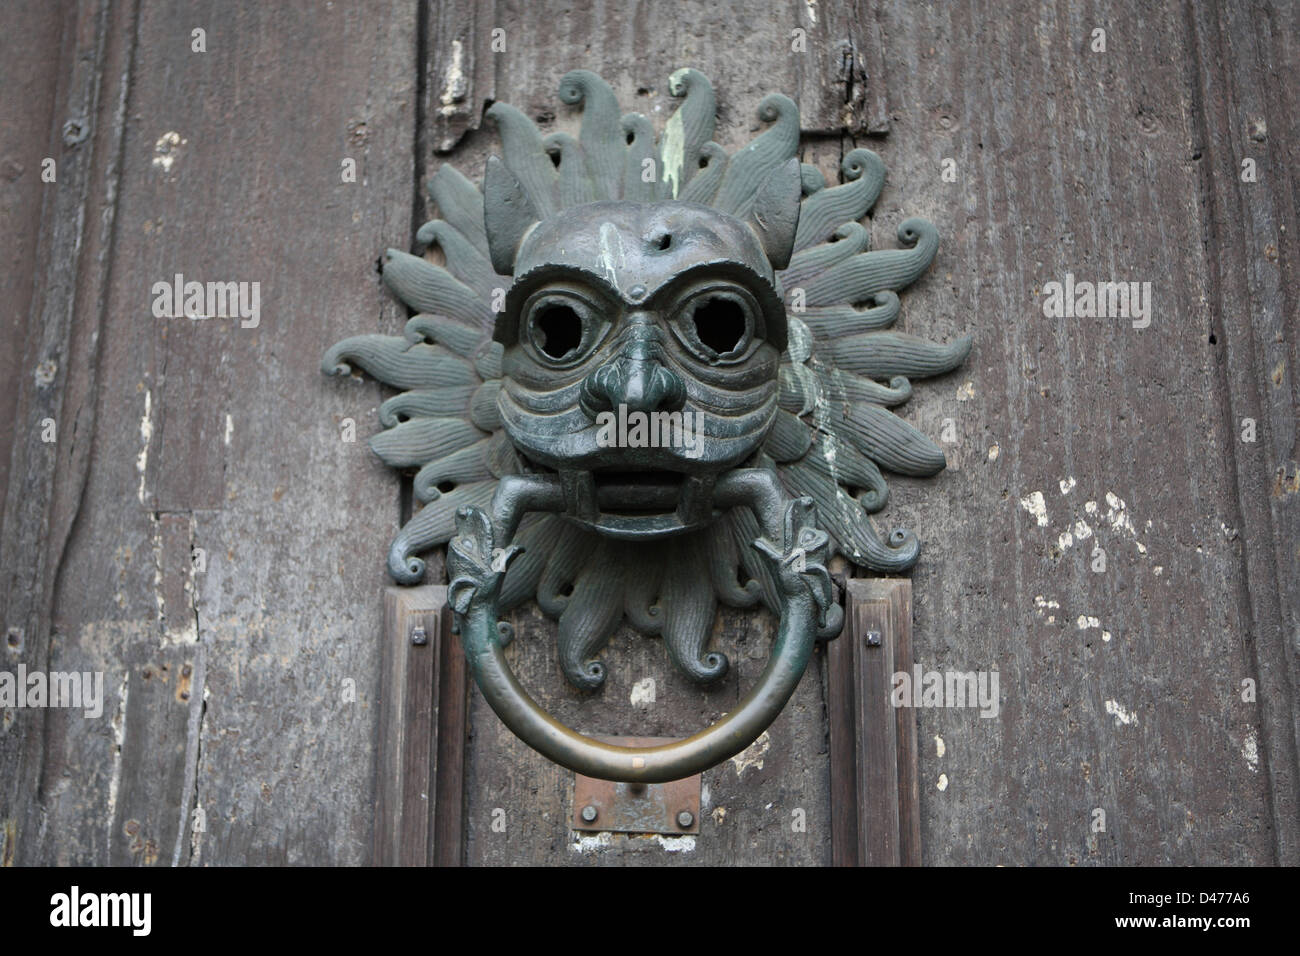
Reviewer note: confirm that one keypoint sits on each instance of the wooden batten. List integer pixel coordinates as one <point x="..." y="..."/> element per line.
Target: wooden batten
<point x="875" y="800"/>
<point x="419" y="819"/>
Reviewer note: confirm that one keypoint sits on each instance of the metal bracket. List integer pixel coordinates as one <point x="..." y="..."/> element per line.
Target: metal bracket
<point x="671" y="809"/>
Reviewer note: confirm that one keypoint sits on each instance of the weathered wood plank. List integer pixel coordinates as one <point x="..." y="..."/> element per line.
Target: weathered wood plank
<point x="29" y="76"/>
<point x="909" y="783"/>
<point x="842" y="728"/>
<point x="1120" y="689"/>
<point x="839" y="68"/>
<point x="746" y="56"/>
<point x="294" y="611"/>
<point x="151" y="823"/>
<point x="56" y="384"/>
<point x="232" y="171"/>
<point x="1247" y="96"/>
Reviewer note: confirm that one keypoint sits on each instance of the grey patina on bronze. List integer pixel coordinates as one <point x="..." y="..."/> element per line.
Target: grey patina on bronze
<point x="735" y="293"/>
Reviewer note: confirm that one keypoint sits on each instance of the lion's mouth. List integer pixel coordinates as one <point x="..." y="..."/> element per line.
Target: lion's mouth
<point x="638" y="504"/>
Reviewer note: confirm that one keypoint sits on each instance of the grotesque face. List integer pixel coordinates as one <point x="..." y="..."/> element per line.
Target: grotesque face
<point x="642" y="343"/>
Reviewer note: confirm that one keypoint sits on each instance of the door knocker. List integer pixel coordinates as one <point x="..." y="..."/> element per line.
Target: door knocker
<point x="651" y="377"/>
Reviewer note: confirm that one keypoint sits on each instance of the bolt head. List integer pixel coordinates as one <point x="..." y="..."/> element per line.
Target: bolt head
<point x="419" y="635"/>
<point x="589" y="813"/>
<point x="873" y="638"/>
<point x="685" y="819"/>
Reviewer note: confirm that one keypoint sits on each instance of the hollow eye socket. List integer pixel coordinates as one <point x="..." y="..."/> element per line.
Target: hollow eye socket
<point x="560" y="328"/>
<point x="717" y="324"/>
<point x="557" y="330"/>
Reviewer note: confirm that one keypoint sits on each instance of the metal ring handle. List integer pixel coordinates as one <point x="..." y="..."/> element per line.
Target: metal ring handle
<point x="808" y="611"/>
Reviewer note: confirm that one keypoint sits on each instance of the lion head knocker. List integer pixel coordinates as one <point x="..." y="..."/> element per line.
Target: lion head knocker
<point x="650" y="378"/>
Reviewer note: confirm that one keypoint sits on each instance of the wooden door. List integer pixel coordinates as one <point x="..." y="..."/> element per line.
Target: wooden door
<point x="242" y="707"/>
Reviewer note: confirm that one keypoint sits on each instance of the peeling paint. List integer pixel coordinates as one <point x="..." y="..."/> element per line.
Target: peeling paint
<point x="673" y="153"/>
<point x="966" y="392"/>
<point x="1080" y="531"/>
<point x="677" y="844"/>
<point x="643" y="692"/>
<point x="146" y="435"/>
<point x="454" y="84"/>
<point x="942" y="785"/>
<point x="118" y="724"/>
<point x="160" y="602"/>
<point x="1250" y="751"/>
<point x="8" y="837"/>
<point x="1118" y="514"/>
<point x="165" y="150"/>
<point x="1036" y="506"/>
<point x="591" y="842"/>
<point x="1067" y="485"/>
<point x="752" y="756"/>
<point x="1122" y="716"/>
<point x="994" y="451"/>
<point x="673" y="145"/>
<point x="799" y="340"/>
<point x="612" y="254"/>
<point x="230" y="429"/>
<point x="597" y="842"/>
<point x="939" y="748"/>
<point x="1042" y="605"/>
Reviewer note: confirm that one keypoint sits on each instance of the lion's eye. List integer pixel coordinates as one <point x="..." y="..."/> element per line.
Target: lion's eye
<point x="557" y="330"/>
<point x="717" y="322"/>
<point x="561" y="327"/>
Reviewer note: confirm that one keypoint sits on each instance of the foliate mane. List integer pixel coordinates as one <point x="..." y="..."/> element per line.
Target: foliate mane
<point x="842" y="371"/>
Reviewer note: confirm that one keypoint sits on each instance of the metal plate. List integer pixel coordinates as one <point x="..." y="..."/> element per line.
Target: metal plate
<point x="636" y="808"/>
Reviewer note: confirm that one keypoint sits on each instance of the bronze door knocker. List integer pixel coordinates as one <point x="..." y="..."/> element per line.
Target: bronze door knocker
<point x="651" y="377"/>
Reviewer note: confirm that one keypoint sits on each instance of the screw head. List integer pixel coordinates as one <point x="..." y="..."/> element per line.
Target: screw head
<point x="589" y="813"/>
<point x="418" y="635"/>
<point x="873" y="638"/>
<point x="685" y="819"/>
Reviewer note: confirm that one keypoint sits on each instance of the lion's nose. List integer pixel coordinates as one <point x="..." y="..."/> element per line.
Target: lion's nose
<point x="636" y="378"/>
<point x="642" y="385"/>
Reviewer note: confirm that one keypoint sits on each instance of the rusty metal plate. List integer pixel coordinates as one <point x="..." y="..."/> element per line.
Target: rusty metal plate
<point x="671" y="808"/>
